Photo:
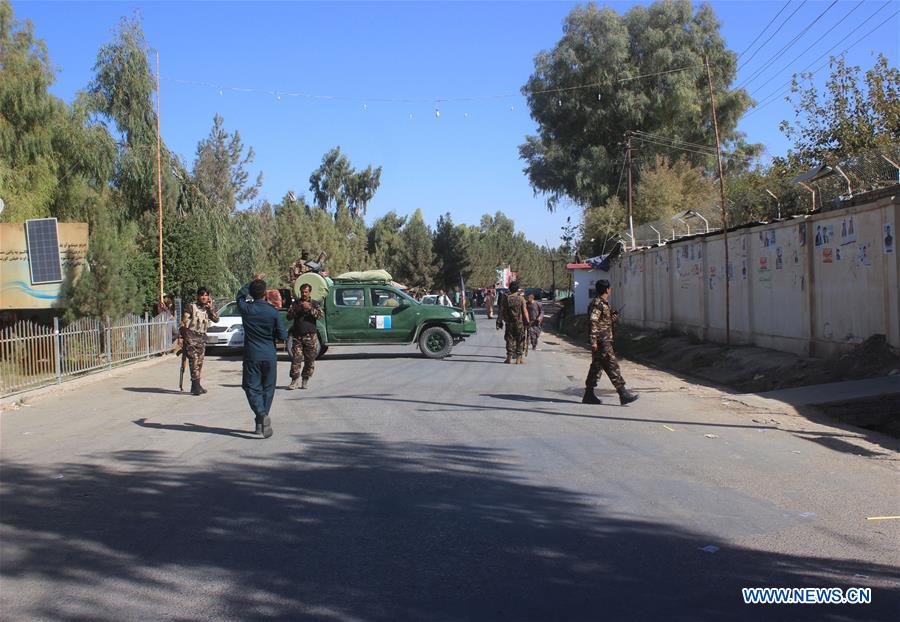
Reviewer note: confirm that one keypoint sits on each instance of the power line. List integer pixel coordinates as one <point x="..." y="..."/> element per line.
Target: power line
<point x="704" y="153"/>
<point x="840" y="22"/>
<point x="787" y="46"/>
<point x="277" y="93"/>
<point x="772" y="35"/>
<point x="772" y="97"/>
<point x="678" y="140"/>
<point x="764" y="29"/>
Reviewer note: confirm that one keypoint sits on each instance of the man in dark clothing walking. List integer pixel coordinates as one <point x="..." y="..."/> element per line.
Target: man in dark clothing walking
<point x="305" y="312"/>
<point x="262" y="326"/>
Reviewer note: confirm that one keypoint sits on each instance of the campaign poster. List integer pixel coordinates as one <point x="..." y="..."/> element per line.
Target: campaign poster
<point x="888" y="236"/>
<point x="827" y="255"/>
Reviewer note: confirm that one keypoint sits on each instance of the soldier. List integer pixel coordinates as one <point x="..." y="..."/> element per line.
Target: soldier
<point x="513" y="311"/>
<point x="489" y="303"/>
<point x="305" y="345"/>
<point x="194" y="323"/>
<point x="603" y="356"/>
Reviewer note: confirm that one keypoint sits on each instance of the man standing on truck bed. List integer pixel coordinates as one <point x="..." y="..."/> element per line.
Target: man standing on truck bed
<point x="262" y="326"/>
<point x="305" y="312"/>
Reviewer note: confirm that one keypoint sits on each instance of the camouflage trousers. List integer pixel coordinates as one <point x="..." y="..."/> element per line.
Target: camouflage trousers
<point x="515" y="340"/>
<point x="303" y="352"/>
<point x="604" y="359"/>
<point x="195" y="348"/>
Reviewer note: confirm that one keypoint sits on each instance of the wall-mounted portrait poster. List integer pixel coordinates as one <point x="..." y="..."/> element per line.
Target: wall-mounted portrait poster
<point x="888" y="236"/>
<point x="801" y="233"/>
<point x="819" y="241"/>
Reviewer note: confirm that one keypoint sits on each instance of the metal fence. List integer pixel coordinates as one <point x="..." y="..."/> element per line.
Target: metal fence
<point x="35" y="355"/>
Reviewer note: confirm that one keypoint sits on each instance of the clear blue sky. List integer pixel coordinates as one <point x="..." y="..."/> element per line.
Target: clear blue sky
<point x="465" y="162"/>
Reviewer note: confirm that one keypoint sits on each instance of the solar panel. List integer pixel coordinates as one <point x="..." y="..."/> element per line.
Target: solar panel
<point x="43" y="251"/>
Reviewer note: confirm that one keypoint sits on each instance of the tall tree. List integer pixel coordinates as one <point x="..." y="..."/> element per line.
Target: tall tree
<point x="220" y="170"/>
<point x="611" y="73"/>
<point x="416" y="269"/>
<point x="53" y="162"/>
<point x="337" y="185"/>
<point x="386" y="243"/>
<point x="451" y="253"/>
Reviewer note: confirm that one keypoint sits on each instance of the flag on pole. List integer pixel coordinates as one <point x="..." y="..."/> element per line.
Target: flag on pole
<point x="462" y="292"/>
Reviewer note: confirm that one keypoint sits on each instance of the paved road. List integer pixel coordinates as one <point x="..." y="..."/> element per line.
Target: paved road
<point x="399" y="488"/>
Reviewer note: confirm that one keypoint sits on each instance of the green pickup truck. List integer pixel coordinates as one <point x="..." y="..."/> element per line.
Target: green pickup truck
<point x="369" y="311"/>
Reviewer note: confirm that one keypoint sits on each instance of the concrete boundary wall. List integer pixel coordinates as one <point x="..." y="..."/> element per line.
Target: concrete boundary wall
<point x="814" y="285"/>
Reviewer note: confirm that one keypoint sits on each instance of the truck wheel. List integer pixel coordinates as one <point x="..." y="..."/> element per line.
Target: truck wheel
<point x="435" y="342"/>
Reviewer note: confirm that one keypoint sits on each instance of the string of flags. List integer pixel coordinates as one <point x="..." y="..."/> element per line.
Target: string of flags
<point x="280" y="95"/>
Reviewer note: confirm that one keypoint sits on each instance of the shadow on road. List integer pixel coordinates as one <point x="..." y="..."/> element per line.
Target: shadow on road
<point x="590" y="411"/>
<point x="155" y="390"/>
<point x="514" y="397"/>
<point x="350" y="527"/>
<point x="195" y="427"/>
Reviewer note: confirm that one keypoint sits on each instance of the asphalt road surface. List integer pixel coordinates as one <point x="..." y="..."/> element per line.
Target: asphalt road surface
<point x="400" y="488"/>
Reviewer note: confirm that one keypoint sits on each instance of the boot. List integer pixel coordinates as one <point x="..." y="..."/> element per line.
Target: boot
<point x="626" y="396"/>
<point x="265" y="426"/>
<point x="295" y="384"/>
<point x="195" y="388"/>
<point x="305" y="384"/>
<point x="589" y="397"/>
<point x="202" y="390"/>
<point x="520" y="361"/>
<point x="508" y="360"/>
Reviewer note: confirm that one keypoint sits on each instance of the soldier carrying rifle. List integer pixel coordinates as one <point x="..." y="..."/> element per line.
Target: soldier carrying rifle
<point x="603" y="357"/>
<point x="514" y="312"/>
<point x="194" y="323"/>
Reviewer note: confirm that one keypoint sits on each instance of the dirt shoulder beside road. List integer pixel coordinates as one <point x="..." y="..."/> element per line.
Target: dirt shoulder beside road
<point x="749" y="369"/>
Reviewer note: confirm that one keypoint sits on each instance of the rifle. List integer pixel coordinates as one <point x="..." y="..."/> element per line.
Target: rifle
<point x="183" y="365"/>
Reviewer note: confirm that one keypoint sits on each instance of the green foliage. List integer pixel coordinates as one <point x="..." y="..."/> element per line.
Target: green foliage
<point x="386" y="243"/>
<point x="189" y="258"/>
<point x="106" y="287"/>
<point x="852" y="115"/>
<point x="666" y="188"/>
<point x="337" y="185"/>
<point x="416" y="269"/>
<point x="220" y="170"/>
<point x="451" y="253"/>
<point x="577" y="153"/>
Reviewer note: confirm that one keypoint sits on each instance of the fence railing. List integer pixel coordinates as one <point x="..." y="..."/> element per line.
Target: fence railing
<point x="34" y="355"/>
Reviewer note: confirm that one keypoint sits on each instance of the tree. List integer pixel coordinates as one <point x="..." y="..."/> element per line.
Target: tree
<point x="337" y="185"/>
<point x="220" y="170"/>
<point x="451" y="253"/>
<point x="106" y="287"/>
<point x="52" y="161"/>
<point x="386" y="243"/>
<point x="666" y="188"/>
<point x="852" y="115"/>
<point x="606" y="76"/>
<point x="416" y="270"/>
<point x="122" y="92"/>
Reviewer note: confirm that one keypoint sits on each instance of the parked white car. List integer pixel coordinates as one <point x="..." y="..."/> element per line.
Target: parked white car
<point x="229" y="330"/>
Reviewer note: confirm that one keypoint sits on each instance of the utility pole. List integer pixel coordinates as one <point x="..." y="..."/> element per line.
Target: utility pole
<point x="159" y="179"/>
<point x="630" y="215"/>
<point x="712" y="99"/>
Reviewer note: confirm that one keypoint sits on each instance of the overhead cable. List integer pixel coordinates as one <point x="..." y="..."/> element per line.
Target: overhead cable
<point x="840" y="22"/>
<point x="764" y="29"/>
<point x="787" y="46"/>
<point x="786" y="87"/>
<point x="773" y="34"/>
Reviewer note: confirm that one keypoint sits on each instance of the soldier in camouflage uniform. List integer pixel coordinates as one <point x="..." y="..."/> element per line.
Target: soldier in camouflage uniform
<point x="603" y="357"/>
<point x="514" y="312"/>
<point x="194" y="323"/>
<point x="305" y="345"/>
